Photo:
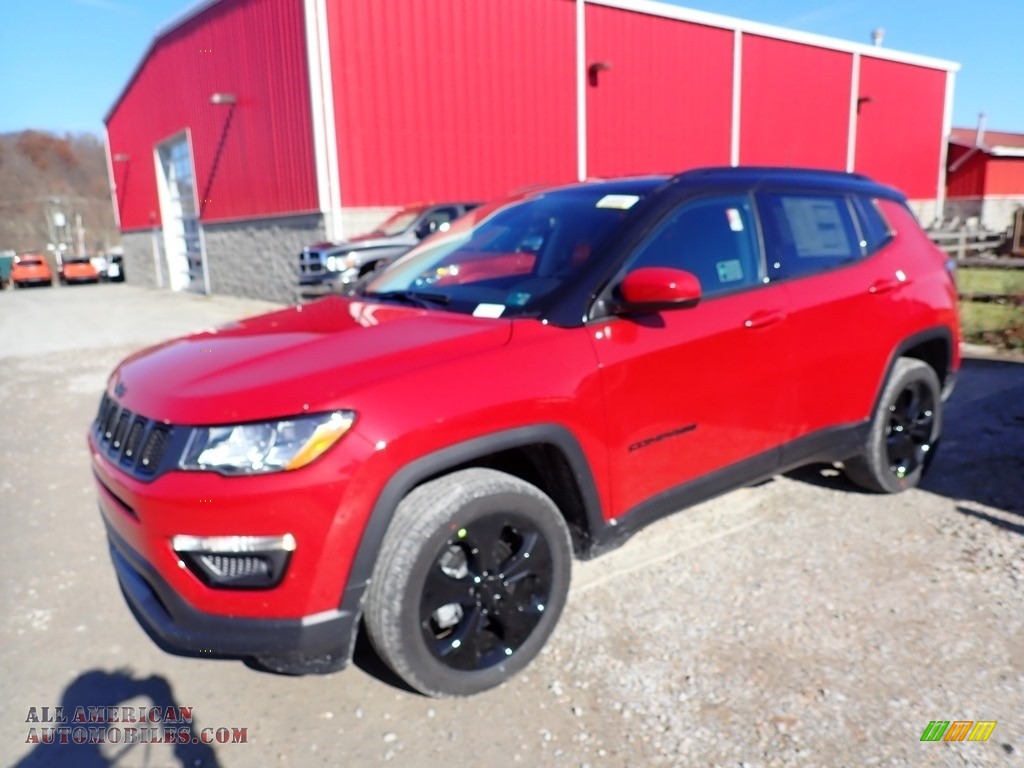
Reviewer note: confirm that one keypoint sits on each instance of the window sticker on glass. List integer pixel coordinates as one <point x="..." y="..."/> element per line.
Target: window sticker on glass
<point x="488" y="310"/>
<point x="735" y="220"/>
<point x="729" y="271"/>
<point x="517" y="299"/>
<point x="817" y="227"/>
<point x="621" y="202"/>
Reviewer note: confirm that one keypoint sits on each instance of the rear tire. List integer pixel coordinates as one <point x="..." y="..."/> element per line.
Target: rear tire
<point x="472" y="577"/>
<point x="905" y="430"/>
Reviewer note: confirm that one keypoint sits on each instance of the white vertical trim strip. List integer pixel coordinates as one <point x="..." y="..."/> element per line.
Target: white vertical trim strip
<point x="581" y="90"/>
<point x="334" y="227"/>
<point x="196" y="207"/>
<point x="947" y="128"/>
<point x="163" y="203"/>
<point x="110" y="178"/>
<point x="316" y="104"/>
<point x="851" y="135"/>
<point x="737" y="94"/>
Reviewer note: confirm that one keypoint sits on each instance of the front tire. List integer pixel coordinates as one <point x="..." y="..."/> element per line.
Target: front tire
<point x="472" y="577"/>
<point x="904" y="432"/>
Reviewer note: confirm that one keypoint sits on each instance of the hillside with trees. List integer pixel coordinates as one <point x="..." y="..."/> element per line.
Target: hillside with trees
<point x="42" y="174"/>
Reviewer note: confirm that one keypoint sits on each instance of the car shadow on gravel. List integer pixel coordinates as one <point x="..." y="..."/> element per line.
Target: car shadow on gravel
<point x="366" y="659"/>
<point x="75" y="744"/>
<point x="980" y="460"/>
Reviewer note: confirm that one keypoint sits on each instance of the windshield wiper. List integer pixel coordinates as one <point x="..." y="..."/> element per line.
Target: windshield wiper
<point x="419" y="298"/>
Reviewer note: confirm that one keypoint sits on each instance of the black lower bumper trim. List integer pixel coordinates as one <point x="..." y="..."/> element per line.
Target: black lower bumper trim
<point x="180" y="629"/>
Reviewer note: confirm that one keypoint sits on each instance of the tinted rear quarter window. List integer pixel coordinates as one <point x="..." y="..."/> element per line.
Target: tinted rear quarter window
<point x="807" y="233"/>
<point x="874" y="228"/>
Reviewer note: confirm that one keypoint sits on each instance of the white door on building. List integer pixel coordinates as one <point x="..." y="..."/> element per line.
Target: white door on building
<point x="183" y="240"/>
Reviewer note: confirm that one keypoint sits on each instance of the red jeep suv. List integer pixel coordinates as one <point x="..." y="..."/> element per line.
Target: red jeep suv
<point x="538" y="382"/>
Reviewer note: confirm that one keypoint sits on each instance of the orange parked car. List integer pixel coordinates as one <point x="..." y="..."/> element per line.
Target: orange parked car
<point x="78" y="270"/>
<point x="30" y="269"/>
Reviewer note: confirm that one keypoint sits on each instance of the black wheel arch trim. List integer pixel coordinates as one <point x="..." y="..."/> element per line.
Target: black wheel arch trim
<point x="946" y="377"/>
<point x="450" y="457"/>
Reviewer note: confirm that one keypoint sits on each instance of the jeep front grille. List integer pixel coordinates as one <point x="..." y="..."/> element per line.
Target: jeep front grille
<point x="310" y="261"/>
<point x="130" y="440"/>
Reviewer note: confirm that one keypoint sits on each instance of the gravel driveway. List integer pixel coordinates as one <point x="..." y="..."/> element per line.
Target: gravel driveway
<point x="799" y="622"/>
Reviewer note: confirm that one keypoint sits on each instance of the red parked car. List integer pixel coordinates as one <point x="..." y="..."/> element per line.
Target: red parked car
<point x="425" y="458"/>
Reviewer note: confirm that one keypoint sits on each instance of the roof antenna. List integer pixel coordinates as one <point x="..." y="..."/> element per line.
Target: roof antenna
<point x="877" y="36"/>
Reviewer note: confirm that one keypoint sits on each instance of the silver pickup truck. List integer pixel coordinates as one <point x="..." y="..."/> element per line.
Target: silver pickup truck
<point x="326" y="268"/>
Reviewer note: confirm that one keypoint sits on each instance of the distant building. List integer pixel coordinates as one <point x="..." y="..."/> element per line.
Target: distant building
<point x="985" y="177"/>
<point x="253" y="127"/>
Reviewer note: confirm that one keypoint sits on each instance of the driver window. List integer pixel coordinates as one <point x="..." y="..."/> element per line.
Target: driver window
<point x="713" y="238"/>
<point x="435" y="220"/>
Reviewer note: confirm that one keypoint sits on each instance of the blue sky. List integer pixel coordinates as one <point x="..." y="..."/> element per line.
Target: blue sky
<point x="63" y="62"/>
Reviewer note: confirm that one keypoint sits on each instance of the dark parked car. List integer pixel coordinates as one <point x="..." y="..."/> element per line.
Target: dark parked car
<point x="326" y="268"/>
<point x="552" y="373"/>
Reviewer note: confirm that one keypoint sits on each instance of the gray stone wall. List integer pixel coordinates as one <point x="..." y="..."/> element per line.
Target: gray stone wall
<point x="925" y="210"/>
<point x="992" y="213"/>
<point x="258" y="258"/>
<point x="140" y="268"/>
<point x="962" y="211"/>
<point x="255" y="258"/>
<point x="997" y="213"/>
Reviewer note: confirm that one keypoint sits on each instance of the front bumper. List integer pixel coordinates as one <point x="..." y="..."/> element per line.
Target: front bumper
<point x="177" y="627"/>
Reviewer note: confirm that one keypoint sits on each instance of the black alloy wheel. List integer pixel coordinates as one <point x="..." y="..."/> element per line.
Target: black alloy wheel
<point x="469" y="583"/>
<point x="486" y="591"/>
<point x="908" y="437"/>
<point x="904" y="431"/>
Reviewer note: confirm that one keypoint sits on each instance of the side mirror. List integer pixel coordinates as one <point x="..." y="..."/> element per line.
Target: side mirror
<point x="650" y="289"/>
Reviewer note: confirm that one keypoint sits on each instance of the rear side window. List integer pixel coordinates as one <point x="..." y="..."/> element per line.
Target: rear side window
<point x="875" y="230"/>
<point x="807" y="233"/>
<point x="713" y="238"/>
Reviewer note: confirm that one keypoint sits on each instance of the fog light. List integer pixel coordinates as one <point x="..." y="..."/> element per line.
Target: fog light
<point x="236" y="562"/>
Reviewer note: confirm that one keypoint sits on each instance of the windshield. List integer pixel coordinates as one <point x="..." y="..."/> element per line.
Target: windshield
<point x="398" y="222"/>
<point x="503" y="264"/>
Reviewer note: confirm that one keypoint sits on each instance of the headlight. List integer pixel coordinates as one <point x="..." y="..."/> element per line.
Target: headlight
<point x="273" y="446"/>
<point x="341" y="262"/>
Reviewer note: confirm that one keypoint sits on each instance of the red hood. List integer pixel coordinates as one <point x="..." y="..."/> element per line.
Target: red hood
<point x="310" y="357"/>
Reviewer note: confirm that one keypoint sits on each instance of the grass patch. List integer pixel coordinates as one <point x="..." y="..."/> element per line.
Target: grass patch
<point x="1000" y="281"/>
<point x="1001" y="325"/>
<point x="997" y="324"/>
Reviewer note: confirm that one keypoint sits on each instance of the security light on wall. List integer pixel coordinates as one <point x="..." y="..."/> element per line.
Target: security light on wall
<point x="595" y="69"/>
<point x="223" y="98"/>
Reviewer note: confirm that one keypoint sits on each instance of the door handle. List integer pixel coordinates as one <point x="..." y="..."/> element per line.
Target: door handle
<point x="764" y="318"/>
<point x="889" y="284"/>
<point x="884" y="286"/>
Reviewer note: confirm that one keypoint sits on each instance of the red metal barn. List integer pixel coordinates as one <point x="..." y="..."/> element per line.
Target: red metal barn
<point x="253" y="127"/>
<point x="985" y="178"/>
